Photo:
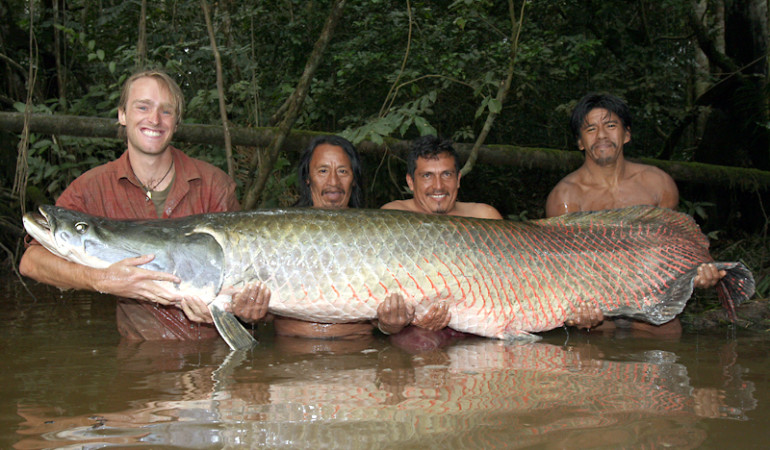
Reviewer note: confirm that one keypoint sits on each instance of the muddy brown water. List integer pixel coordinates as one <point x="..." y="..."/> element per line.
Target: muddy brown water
<point x="68" y="381"/>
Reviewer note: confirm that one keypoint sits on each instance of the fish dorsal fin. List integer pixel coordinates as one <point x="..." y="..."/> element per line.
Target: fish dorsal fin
<point x="638" y="215"/>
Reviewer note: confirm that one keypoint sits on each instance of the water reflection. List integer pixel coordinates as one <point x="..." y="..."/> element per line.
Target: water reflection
<point x="424" y="391"/>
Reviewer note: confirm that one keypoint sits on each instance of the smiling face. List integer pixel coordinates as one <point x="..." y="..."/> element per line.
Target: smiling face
<point x="331" y="177"/>
<point x="602" y="136"/>
<point x="435" y="184"/>
<point x="149" y="116"/>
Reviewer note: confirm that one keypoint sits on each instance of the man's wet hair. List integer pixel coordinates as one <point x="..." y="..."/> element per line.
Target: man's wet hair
<point x="303" y="169"/>
<point x="595" y="100"/>
<point x="429" y="147"/>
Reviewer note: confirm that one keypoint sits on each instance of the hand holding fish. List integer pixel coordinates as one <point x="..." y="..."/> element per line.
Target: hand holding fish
<point x="585" y="317"/>
<point x="437" y="317"/>
<point x="708" y="276"/>
<point x="125" y="279"/>
<point x="196" y="310"/>
<point x="250" y="303"/>
<point x="393" y="314"/>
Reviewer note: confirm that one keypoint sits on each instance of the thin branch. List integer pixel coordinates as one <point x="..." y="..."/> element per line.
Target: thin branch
<point x="22" y="165"/>
<point x="505" y="86"/>
<point x="388" y="99"/>
<point x="141" y="43"/>
<point x="420" y="78"/>
<point x="220" y="91"/>
<point x="254" y="76"/>
<point x="15" y="65"/>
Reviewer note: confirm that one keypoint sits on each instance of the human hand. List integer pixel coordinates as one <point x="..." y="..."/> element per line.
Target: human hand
<point x="196" y="310"/>
<point x="436" y="318"/>
<point x="708" y="402"/>
<point x="585" y="316"/>
<point x="126" y="279"/>
<point x="394" y="314"/>
<point x="249" y="303"/>
<point x="708" y="276"/>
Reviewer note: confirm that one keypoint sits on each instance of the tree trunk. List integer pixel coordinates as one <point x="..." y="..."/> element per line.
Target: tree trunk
<point x="738" y="116"/>
<point x="499" y="155"/>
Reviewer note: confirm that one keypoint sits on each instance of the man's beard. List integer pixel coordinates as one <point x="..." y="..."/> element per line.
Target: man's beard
<point x="607" y="160"/>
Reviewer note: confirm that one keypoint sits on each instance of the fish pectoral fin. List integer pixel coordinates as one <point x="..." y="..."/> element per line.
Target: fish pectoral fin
<point x="228" y="326"/>
<point x="518" y="336"/>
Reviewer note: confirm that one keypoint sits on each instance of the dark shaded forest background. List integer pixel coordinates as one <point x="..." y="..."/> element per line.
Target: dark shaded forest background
<point x="693" y="71"/>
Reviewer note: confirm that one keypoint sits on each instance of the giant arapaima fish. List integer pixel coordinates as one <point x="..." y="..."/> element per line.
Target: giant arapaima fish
<point x="502" y="279"/>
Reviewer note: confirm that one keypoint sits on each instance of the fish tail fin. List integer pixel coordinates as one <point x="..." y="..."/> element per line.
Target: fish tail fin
<point x="231" y="330"/>
<point x="735" y="287"/>
<point x="672" y="302"/>
<point x="732" y="290"/>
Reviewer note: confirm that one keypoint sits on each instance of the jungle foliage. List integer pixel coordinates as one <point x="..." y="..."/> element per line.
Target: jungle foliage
<point x="693" y="71"/>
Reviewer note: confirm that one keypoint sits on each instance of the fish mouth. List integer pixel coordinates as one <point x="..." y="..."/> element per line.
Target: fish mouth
<point x="41" y="219"/>
<point x="38" y="224"/>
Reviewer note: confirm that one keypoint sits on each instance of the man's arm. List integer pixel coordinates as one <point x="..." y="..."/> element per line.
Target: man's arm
<point x="123" y="278"/>
<point x="708" y="275"/>
<point x="668" y="193"/>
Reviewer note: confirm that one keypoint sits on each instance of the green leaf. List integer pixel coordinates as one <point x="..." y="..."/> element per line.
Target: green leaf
<point x="424" y="127"/>
<point x="495" y="106"/>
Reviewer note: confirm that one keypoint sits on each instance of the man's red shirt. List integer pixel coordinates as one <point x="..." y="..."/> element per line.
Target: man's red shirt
<point x="112" y="190"/>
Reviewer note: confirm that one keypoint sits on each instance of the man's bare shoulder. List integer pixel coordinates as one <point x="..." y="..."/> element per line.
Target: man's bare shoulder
<point x="477" y="210"/>
<point x="565" y="196"/>
<point x="401" y="205"/>
<point x="647" y="172"/>
<point x="656" y="181"/>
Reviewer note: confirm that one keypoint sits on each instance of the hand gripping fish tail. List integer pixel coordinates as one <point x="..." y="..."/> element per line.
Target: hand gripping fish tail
<point x="501" y="279"/>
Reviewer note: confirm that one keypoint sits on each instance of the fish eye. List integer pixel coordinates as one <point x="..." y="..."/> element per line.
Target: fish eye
<point x="81" y="227"/>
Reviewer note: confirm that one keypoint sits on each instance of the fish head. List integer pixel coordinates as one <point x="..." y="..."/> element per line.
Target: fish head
<point x="196" y="258"/>
<point x="76" y="236"/>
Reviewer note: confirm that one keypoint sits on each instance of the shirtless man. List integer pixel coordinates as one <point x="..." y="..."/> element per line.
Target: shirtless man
<point x="601" y="124"/>
<point x="433" y="175"/>
<point x="330" y="177"/>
